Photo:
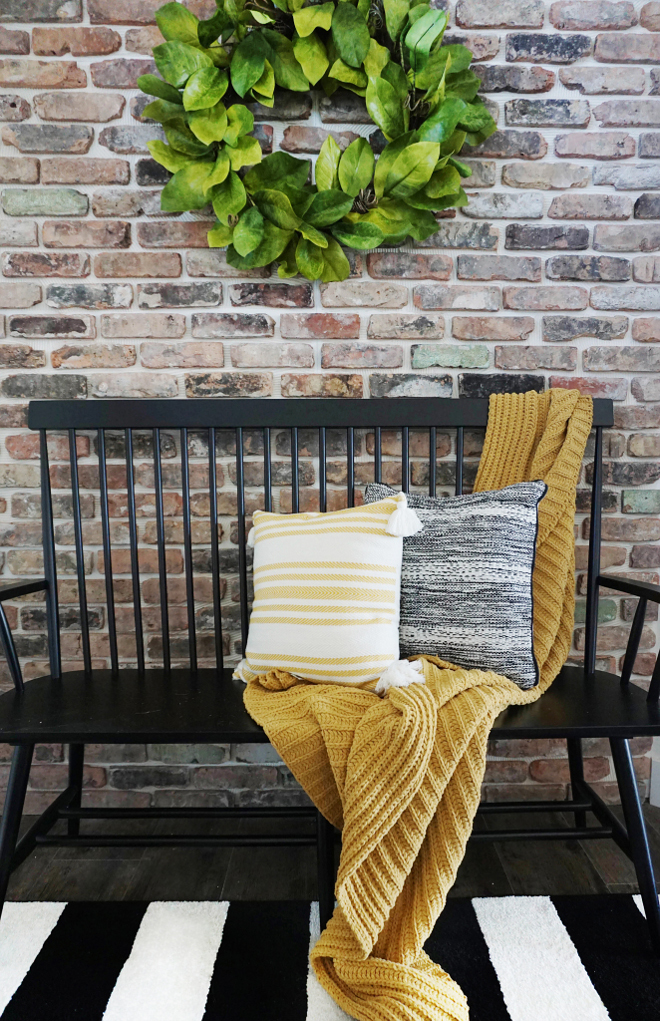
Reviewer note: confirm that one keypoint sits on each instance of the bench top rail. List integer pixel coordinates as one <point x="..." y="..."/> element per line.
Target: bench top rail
<point x="253" y="413"/>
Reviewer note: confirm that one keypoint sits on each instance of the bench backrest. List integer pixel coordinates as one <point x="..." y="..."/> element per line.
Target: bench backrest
<point x="158" y="579"/>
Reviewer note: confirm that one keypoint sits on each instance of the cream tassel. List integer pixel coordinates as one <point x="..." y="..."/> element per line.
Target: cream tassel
<point x="250" y="538"/>
<point x="400" y="674"/>
<point x="403" y="521"/>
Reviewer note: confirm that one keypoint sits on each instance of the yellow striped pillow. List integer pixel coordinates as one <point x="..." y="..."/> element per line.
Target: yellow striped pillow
<point x="326" y="592"/>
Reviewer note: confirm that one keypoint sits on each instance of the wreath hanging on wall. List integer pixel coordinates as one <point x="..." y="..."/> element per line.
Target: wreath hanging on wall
<point x="420" y="93"/>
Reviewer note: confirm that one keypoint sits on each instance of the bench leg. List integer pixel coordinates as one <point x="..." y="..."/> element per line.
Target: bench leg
<point x="13" y="810"/>
<point x="76" y="760"/>
<point x="325" y="859"/>
<point x="576" y="767"/>
<point x="636" y="826"/>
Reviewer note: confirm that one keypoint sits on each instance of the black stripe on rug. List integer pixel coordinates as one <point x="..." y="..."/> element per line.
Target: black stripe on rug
<point x="78" y="965"/>
<point x="612" y="939"/>
<point x="458" y="946"/>
<point x="260" y="972"/>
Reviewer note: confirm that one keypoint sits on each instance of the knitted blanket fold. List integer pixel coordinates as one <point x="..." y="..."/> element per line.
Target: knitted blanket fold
<point x="401" y="775"/>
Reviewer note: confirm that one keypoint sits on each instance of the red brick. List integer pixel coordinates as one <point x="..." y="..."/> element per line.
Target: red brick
<point x="41" y="74"/>
<point x="319" y="326"/>
<point x="84" y="170"/>
<point x="137" y="264"/>
<point x="78" y="41"/>
<point x="86" y="234"/>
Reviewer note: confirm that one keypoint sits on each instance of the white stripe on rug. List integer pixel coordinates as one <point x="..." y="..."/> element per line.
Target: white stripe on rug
<point x="320" y="1005"/>
<point x="169" y="970"/>
<point x="540" y="973"/>
<point x="23" y="931"/>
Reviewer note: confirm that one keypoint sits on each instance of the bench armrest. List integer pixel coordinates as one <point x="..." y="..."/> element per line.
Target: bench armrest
<point x="14" y="589"/>
<point x="642" y="589"/>
<point x="645" y="591"/>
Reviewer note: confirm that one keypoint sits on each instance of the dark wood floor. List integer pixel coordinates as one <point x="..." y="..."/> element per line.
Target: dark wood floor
<point x="497" y="869"/>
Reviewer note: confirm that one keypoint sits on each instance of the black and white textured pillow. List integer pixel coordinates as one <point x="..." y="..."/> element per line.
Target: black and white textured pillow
<point x="466" y="580"/>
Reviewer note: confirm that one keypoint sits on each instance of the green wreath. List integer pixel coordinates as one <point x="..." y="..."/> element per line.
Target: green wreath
<point x="419" y="92"/>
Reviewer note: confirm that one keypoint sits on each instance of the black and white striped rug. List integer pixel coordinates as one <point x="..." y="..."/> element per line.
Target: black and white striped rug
<point x="517" y="958"/>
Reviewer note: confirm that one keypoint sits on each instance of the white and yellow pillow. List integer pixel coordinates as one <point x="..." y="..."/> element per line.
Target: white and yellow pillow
<point x="327" y="592"/>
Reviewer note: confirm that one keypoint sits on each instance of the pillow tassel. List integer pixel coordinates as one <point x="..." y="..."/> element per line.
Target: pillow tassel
<point x="400" y="674"/>
<point x="250" y="539"/>
<point x="403" y="521"/>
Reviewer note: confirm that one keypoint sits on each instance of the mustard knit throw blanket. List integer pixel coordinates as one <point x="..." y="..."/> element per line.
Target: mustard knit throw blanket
<point x="401" y="775"/>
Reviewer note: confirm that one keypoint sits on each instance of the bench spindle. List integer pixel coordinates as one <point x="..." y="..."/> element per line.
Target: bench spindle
<point x="405" y="459"/>
<point x="215" y="554"/>
<point x="242" y="555"/>
<point x="350" y="467"/>
<point x="268" y="474"/>
<point x="133" y="543"/>
<point x="162" y="551"/>
<point x="433" y="473"/>
<point x="107" y="550"/>
<point x="323" y="487"/>
<point x="295" y="481"/>
<point x="460" y="448"/>
<point x="187" y="550"/>
<point x="593" y="570"/>
<point x="80" y="554"/>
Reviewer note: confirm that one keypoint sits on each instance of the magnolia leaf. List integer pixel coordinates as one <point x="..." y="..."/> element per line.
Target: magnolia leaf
<point x="220" y="170"/>
<point x="385" y="108"/>
<point x="276" y="207"/>
<point x="205" y="88"/>
<point x="288" y="266"/>
<point x="274" y="169"/>
<point x="209" y="125"/>
<point x="327" y="165"/>
<point x="177" y="61"/>
<point x="249" y="231"/>
<point x="460" y="56"/>
<point x="335" y="264"/>
<point x="361" y="234"/>
<point x="309" y="18"/>
<point x="279" y="52"/>
<point x="396" y="76"/>
<point x="476" y="117"/>
<point x="312" y="55"/>
<point x="350" y="34"/>
<point x="295" y="5"/>
<point x="176" y="22"/>
<point x="420" y="201"/>
<point x="247" y="63"/>
<point x="463" y="168"/>
<point x="348" y="75"/>
<point x="464" y="85"/>
<point x="180" y="137"/>
<point x="441" y="125"/>
<point x="270" y="248"/>
<point x="313" y="235"/>
<point x="422" y="35"/>
<point x="220" y="236"/>
<point x="263" y="89"/>
<point x="210" y="30"/>
<point x="153" y="86"/>
<point x="229" y="197"/>
<point x="239" y="122"/>
<point x="167" y="157"/>
<point x="396" y="12"/>
<point x="186" y="190"/>
<point x="356" y="167"/>
<point x="327" y="207"/>
<point x="386" y="159"/>
<point x="262" y="19"/>
<point x="446" y="181"/>
<point x="162" y="111"/>
<point x="245" y="153"/>
<point x="412" y="169"/>
<point x="309" y="258"/>
<point x="376" y="59"/>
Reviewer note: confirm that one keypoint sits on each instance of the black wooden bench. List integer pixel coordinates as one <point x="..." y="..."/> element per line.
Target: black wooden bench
<point x="189" y="696"/>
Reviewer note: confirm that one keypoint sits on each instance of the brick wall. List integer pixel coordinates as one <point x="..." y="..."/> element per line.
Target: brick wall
<point x="547" y="278"/>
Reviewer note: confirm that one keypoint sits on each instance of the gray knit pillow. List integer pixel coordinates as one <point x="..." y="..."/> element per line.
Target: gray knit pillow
<point x="466" y="580"/>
